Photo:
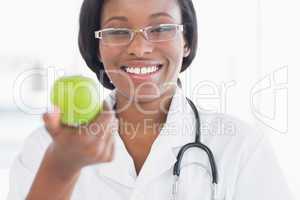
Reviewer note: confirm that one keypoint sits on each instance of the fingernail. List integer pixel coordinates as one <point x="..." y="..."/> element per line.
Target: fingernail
<point x="56" y="109"/>
<point x="45" y="117"/>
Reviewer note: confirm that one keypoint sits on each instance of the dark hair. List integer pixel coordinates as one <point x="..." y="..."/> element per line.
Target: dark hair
<point x="89" y="21"/>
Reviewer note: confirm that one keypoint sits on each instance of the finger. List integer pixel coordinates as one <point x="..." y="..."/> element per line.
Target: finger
<point x="107" y="106"/>
<point x="108" y="112"/>
<point x="109" y="151"/>
<point x="104" y="115"/>
<point x="103" y="121"/>
<point x="52" y="121"/>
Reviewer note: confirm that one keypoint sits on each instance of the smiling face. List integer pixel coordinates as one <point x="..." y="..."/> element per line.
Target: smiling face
<point x="161" y="60"/>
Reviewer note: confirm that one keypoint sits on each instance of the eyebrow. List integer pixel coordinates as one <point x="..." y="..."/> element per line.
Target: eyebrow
<point x="159" y="14"/>
<point x="123" y="18"/>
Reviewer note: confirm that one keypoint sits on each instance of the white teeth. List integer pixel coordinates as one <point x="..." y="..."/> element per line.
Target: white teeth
<point x="144" y="70"/>
<point x="141" y="70"/>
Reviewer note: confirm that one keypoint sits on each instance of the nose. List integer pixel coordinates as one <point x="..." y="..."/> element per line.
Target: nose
<point x="139" y="46"/>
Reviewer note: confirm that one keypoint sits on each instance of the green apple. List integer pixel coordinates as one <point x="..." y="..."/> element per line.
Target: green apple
<point x="77" y="98"/>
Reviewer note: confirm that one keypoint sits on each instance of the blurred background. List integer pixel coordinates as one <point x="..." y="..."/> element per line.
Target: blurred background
<point x="246" y="64"/>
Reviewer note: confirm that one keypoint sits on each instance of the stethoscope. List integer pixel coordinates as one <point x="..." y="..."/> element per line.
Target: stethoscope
<point x="196" y="144"/>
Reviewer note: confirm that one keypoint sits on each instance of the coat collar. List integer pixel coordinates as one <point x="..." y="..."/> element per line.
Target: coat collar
<point x="180" y="123"/>
<point x="177" y="131"/>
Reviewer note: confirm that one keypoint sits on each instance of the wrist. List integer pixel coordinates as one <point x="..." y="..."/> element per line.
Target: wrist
<point x="60" y="167"/>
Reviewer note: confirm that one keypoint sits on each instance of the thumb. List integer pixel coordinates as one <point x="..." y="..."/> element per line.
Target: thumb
<point x="108" y="113"/>
<point x="52" y="121"/>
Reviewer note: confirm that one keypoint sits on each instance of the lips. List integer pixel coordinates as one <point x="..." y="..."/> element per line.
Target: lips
<point x="123" y="67"/>
<point x="141" y="63"/>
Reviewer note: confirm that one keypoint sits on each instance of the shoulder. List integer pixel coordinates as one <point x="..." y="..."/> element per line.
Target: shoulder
<point x="234" y="144"/>
<point x="27" y="162"/>
<point x="39" y="138"/>
<point x="233" y="141"/>
<point x="33" y="148"/>
<point x="225" y="127"/>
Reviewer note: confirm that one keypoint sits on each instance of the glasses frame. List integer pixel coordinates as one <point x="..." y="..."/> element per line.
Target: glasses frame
<point x="133" y="32"/>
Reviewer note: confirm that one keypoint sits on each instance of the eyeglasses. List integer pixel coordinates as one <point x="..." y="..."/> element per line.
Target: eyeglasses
<point x="123" y="36"/>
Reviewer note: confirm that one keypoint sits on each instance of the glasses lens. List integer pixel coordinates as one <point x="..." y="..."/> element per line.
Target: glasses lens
<point x="162" y="33"/>
<point x="116" y="37"/>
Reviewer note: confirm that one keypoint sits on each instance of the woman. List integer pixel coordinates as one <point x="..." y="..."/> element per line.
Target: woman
<point x="138" y="49"/>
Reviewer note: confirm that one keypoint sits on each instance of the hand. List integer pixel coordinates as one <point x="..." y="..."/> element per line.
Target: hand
<point x="76" y="147"/>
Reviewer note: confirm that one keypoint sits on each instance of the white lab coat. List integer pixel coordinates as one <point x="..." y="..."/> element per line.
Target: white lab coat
<point x="246" y="164"/>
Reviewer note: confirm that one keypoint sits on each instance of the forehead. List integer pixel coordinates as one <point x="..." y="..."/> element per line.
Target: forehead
<point x="140" y="12"/>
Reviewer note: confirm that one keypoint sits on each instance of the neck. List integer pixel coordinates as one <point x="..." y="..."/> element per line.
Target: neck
<point x="142" y="120"/>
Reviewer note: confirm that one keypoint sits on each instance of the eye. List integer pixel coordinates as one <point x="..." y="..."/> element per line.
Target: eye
<point x="161" y="29"/>
<point x="119" y="32"/>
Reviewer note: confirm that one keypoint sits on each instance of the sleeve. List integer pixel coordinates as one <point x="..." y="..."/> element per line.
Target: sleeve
<point x="260" y="177"/>
<point x="26" y="164"/>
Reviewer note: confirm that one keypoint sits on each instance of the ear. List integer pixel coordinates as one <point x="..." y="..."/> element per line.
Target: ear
<point x="186" y="51"/>
<point x="99" y="56"/>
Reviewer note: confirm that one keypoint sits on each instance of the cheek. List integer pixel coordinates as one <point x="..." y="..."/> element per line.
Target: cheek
<point x="174" y="52"/>
<point x="110" y="59"/>
<point x="109" y="55"/>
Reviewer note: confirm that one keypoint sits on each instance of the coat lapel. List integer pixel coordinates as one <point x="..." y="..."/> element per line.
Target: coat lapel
<point x="121" y="168"/>
<point x="178" y="130"/>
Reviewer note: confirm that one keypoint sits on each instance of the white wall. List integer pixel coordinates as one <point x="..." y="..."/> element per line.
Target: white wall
<point x="241" y="42"/>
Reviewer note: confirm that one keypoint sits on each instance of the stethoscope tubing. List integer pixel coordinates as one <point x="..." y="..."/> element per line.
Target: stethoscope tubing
<point x="196" y="144"/>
